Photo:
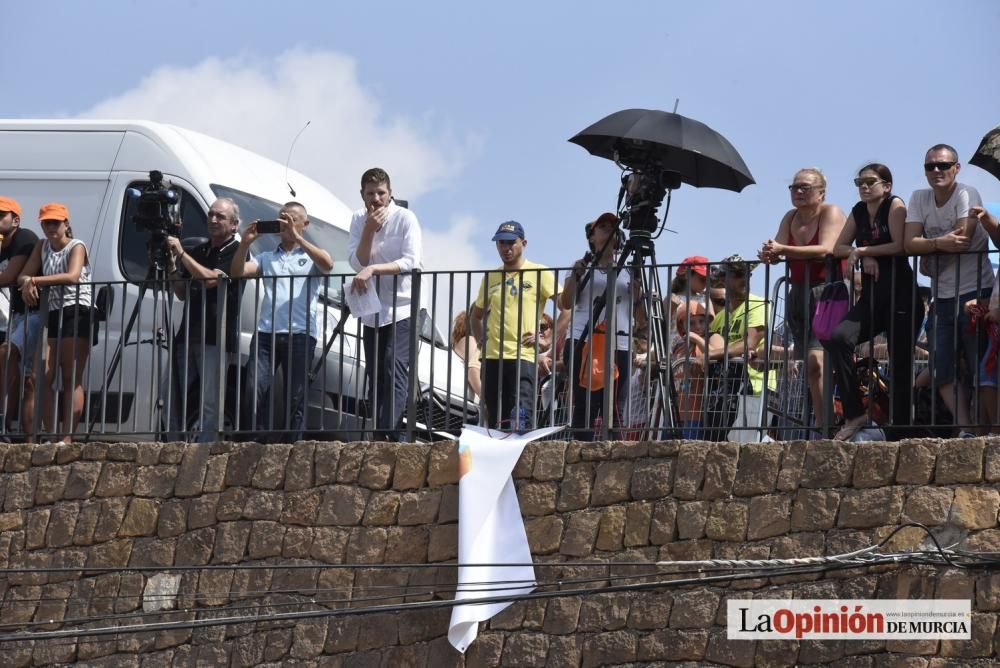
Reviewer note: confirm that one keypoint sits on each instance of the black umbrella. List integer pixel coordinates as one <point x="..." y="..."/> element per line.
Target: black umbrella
<point x="644" y="138"/>
<point x="987" y="155"/>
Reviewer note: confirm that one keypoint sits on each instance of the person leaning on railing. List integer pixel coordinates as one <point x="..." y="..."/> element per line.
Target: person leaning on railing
<point x="193" y="383"/>
<point x="940" y="225"/>
<point x="24" y="324"/>
<point x="873" y="239"/>
<point x="65" y="270"/>
<point x="465" y="346"/>
<point x="806" y="235"/>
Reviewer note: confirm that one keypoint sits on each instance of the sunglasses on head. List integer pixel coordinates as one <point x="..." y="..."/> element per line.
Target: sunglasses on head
<point x="938" y="166"/>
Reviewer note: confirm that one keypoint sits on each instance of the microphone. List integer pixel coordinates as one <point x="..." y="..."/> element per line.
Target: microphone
<point x="289" y="158"/>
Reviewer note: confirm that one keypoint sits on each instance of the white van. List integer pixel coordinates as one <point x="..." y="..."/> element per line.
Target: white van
<point x="89" y="166"/>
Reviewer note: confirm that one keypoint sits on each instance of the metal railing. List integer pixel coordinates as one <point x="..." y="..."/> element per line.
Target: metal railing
<point x="226" y="362"/>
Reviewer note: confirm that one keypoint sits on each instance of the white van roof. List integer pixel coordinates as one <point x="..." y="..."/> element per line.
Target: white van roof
<point x="198" y="158"/>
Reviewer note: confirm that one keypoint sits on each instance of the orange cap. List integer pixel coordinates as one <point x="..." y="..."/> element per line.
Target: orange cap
<point x="10" y="204"/>
<point x="53" y="211"/>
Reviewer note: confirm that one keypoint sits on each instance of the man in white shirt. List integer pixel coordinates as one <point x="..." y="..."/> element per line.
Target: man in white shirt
<point x="384" y="247"/>
<point x="939" y="225"/>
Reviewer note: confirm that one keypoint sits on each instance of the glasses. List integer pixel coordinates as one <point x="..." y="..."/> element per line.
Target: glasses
<point x="803" y="187"/>
<point x="938" y="166"/>
<point x="867" y="181"/>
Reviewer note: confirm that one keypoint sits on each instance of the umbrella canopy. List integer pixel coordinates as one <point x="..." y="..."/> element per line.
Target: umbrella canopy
<point x="645" y="138"/>
<point x="987" y="155"/>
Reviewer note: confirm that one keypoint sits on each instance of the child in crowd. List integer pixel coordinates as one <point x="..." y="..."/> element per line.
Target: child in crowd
<point x="688" y="366"/>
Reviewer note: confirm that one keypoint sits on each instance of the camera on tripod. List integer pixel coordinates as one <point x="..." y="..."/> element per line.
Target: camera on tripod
<point x="154" y="207"/>
<point x="644" y="184"/>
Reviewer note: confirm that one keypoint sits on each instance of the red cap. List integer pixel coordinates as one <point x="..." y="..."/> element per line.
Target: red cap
<point x="53" y="211"/>
<point x="697" y="263"/>
<point x="10" y="204"/>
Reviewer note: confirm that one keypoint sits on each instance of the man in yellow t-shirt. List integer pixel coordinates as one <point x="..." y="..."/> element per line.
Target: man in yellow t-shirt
<point x="511" y="300"/>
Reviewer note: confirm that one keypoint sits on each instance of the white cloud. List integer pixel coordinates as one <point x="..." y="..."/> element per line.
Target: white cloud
<point x="453" y="250"/>
<point x="262" y="105"/>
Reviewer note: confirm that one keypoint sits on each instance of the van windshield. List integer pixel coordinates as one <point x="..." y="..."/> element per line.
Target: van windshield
<point x="319" y="232"/>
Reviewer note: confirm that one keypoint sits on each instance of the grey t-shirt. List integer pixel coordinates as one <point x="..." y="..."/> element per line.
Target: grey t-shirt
<point x="973" y="271"/>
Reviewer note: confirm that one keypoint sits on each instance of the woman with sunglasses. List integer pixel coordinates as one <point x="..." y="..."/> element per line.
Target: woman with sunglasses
<point x="806" y="235"/>
<point x="872" y="241"/>
<point x="65" y="270"/>
<point x="588" y="392"/>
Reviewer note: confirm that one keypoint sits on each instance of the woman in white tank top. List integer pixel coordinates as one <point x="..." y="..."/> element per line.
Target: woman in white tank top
<point x="59" y="263"/>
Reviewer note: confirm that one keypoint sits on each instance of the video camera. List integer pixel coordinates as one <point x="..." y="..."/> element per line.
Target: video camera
<point x="154" y="208"/>
<point x="644" y="185"/>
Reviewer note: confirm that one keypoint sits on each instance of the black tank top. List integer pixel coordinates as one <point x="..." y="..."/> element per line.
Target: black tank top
<point x="867" y="233"/>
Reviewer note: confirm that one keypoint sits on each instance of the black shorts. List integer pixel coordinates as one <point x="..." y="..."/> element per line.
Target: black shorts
<point x="72" y="322"/>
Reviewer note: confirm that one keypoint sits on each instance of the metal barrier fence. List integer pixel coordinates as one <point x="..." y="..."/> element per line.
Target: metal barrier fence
<point x="248" y="359"/>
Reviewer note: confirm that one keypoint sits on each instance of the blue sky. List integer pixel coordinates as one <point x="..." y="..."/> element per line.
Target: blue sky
<point x="470" y="106"/>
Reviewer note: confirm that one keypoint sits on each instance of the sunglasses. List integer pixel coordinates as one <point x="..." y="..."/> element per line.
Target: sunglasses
<point x="802" y="187"/>
<point x="938" y="166"/>
<point x="867" y="181"/>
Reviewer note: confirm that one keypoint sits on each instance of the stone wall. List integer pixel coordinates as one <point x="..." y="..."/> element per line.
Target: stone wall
<point x="101" y="506"/>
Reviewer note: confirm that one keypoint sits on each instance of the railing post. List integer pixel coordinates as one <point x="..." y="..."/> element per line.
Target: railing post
<point x="413" y="395"/>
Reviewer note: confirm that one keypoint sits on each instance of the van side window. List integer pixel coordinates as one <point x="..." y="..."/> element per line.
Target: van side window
<point x="133" y="252"/>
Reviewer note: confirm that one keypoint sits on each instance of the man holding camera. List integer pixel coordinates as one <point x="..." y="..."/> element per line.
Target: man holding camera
<point x="384" y="247"/>
<point x="289" y="318"/>
<point x="201" y="356"/>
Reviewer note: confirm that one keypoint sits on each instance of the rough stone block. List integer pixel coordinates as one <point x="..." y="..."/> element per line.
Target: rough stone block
<point x="366" y="545"/>
<point x="266" y="539"/>
<point x="757" y="469"/>
<point x="663" y="525"/>
<point x="652" y="479"/>
<point x="407" y="545"/>
<point x="231" y="503"/>
<point x="638" y="519"/>
<point x="991" y="462"/>
<point x="875" y="464"/>
<point x="270" y="470"/>
<point x="769" y="516"/>
<point x="616" y="647"/>
<point x="81" y="482"/>
<point x="62" y="523"/>
<point x="443" y="464"/>
<point x="580" y="533"/>
<point x="378" y="631"/>
<point x="525" y="649"/>
<point x="448" y="511"/>
<point x="975" y="507"/>
<point x="537" y="498"/>
<point x="308" y="638"/>
<point x="443" y="544"/>
<point x="376" y="471"/>
<point x="38" y="521"/>
<point x="691" y="517"/>
<point x="382" y="509"/>
<point x="140" y="518"/>
<point x="815" y="509"/>
<point x="419" y="507"/>
<point x="561" y="615"/>
<point x="202" y="510"/>
<point x="113" y="554"/>
<point x="928" y="505"/>
<point x="690" y="470"/>
<point x="960" y="460"/>
<point x="611" y="483"/>
<point x="694" y="609"/>
<point x="984" y="626"/>
<point x="917" y="459"/>
<point x="828" y="464"/>
<point x="195" y="547"/>
<point x="544" y="534"/>
<point x="410" y="470"/>
<point x="50" y="485"/>
<point x="297" y="543"/>
<point x="861" y="509"/>
<point x="650" y="611"/>
<point x="721" y="650"/>
<point x="606" y="611"/>
<point x="574" y="492"/>
<point x="550" y="460"/>
<point x="231" y="542"/>
<point x="611" y="529"/>
<point x="342" y="505"/>
<point x="263" y="505"/>
<point x="720" y="470"/>
<point x="191" y="474"/>
<point x="673" y="645"/>
<point x="155" y="481"/>
<point x="242" y="463"/>
<point x="299" y="471"/>
<point x="727" y="520"/>
<point x="793" y="458"/>
<point x="327" y="462"/>
<point x="301" y="507"/>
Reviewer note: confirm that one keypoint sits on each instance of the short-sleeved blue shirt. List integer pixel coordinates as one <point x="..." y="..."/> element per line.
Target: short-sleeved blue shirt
<point x="291" y="285"/>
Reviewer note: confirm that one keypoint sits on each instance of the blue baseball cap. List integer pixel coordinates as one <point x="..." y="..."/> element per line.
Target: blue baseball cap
<point x="509" y="231"/>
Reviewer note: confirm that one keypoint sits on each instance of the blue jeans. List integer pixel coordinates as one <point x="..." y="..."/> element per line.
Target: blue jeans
<point x="949" y="345"/>
<point x="293" y="354"/>
<point x="195" y="369"/>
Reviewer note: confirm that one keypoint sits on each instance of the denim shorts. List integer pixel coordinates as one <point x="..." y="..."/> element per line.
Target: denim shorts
<point x="952" y="341"/>
<point x="24" y="335"/>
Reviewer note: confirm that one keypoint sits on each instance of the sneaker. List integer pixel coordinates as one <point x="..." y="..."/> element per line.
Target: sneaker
<point x="966" y="434"/>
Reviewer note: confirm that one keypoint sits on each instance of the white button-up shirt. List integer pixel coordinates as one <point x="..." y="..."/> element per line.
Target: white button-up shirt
<point x="398" y="241"/>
